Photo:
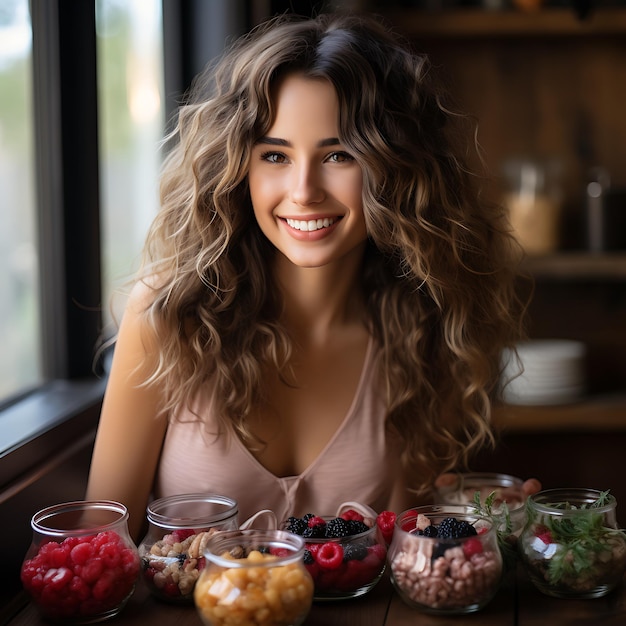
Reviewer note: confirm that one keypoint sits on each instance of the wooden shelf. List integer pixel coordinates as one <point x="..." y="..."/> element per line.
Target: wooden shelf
<point x="576" y="266"/>
<point x="606" y="413"/>
<point x="507" y="23"/>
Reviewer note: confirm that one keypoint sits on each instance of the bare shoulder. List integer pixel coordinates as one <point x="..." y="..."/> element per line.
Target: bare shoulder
<point x="136" y="344"/>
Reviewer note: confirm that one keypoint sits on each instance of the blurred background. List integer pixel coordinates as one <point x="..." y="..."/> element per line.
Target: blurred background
<point x="87" y="91"/>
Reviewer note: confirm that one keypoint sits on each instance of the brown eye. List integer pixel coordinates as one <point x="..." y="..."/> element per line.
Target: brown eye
<point x="274" y="157"/>
<point x="339" y="157"/>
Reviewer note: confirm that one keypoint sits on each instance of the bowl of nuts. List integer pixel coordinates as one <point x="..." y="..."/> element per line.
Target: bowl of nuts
<point x="345" y="554"/>
<point x="172" y="552"/>
<point x="444" y="559"/>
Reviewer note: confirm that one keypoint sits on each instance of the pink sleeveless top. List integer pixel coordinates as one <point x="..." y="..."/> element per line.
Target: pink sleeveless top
<point x="360" y="462"/>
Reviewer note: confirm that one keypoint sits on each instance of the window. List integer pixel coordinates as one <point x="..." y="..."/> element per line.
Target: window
<point x="20" y="357"/>
<point x="128" y="68"/>
<point x="131" y="124"/>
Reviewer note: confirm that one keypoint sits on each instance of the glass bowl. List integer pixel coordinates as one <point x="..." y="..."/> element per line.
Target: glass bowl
<point x="462" y="489"/>
<point x="502" y="499"/>
<point x="254" y="577"/>
<point x="179" y="527"/>
<point x="82" y="565"/>
<point x="571" y="546"/>
<point x="456" y="573"/>
<point x="345" y="566"/>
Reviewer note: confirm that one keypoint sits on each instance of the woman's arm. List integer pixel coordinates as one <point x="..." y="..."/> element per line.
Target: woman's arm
<point x="130" y="432"/>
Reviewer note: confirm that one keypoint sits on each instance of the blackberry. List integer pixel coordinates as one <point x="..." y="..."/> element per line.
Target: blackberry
<point x="430" y="531"/>
<point x="337" y="527"/>
<point x="296" y="525"/>
<point x="354" y="552"/>
<point x="465" y="529"/>
<point x="448" y="528"/>
<point x="307" y="517"/>
<point x="440" y="549"/>
<point x="355" y="527"/>
<point x="308" y="558"/>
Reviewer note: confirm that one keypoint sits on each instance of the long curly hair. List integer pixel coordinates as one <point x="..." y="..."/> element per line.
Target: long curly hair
<point x="438" y="270"/>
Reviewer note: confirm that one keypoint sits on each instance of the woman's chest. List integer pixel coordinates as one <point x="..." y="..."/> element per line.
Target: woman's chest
<point x="305" y="411"/>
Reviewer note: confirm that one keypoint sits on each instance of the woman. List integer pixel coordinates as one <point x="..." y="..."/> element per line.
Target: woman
<point x="325" y="294"/>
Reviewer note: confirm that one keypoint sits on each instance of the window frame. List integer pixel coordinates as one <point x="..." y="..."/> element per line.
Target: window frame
<point x="37" y="424"/>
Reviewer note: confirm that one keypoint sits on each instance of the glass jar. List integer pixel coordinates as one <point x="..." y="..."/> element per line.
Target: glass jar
<point x="571" y="546"/>
<point x="444" y="559"/>
<point x="506" y="489"/>
<point x="82" y="564"/>
<point x="172" y="552"/>
<point x="534" y="202"/>
<point x="254" y="577"/>
<point x="344" y="563"/>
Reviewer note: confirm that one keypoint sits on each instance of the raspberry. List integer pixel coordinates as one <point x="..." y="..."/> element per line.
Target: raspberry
<point x="386" y="521"/>
<point x="316" y="520"/>
<point x="380" y="552"/>
<point x="181" y="534"/>
<point x="110" y="554"/>
<point x="81" y="553"/>
<point x="171" y="589"/>
<point x="92" y="570"/>
<point x="352" y="515"/>
<point x="313" y="548"/>
<point x="279" y="552"/>
<point x="330" y="555"/>
<point x="471" y="547"/>
<point x="543" y="533"/>
<point x="105" y="585"/>
<point x="57" y="578"/>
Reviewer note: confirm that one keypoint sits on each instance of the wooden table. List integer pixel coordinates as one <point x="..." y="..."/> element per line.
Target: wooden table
<point x="517" y="603"/>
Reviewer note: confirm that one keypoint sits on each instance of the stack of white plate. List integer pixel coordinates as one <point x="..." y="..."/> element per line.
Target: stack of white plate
<point x="546" y="371"/>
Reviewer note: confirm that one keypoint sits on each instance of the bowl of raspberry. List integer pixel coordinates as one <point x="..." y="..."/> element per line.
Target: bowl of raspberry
<point x="82" y="565"/>
<point x="444" y="559"/>
<point x="345" y="555"/>
<point x="179" y="528"/>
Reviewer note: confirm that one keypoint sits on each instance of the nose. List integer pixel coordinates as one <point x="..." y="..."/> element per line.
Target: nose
<point x="306" y="185"/>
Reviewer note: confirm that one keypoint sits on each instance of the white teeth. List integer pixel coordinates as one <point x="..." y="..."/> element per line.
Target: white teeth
<point x="309" y="225"/>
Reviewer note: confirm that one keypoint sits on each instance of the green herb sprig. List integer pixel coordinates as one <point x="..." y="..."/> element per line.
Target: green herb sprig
<point x="581" y="537"/>
<point x="503" y="525"/>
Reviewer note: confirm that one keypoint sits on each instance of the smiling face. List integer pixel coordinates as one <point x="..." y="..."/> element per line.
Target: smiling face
<point x="304" y="185"/>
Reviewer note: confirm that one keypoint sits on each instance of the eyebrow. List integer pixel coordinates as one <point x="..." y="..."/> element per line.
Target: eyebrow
<point x="275" y="141"/>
